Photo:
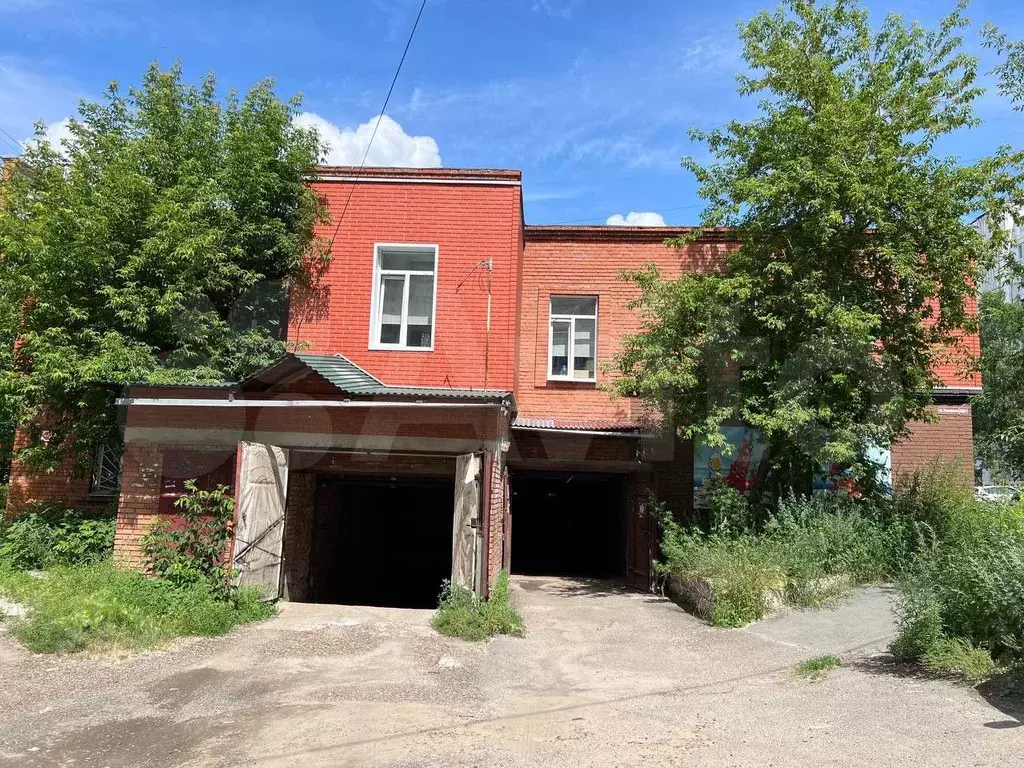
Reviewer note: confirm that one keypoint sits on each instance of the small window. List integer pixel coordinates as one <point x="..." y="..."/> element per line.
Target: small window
<point x="106" y="472"/>
<point x="403" y="297"/>
<point x="572" y="340"/>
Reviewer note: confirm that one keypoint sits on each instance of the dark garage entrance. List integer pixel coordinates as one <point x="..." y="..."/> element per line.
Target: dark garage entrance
<point x="568" y="523"/>
<point x="381" y="541"/>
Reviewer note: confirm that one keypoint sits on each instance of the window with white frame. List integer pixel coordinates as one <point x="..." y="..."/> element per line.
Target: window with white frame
<point x="572" y="338"/>
<point x="404" y="295"/>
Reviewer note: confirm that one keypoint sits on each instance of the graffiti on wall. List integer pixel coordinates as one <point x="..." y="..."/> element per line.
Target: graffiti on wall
<point x="735" y="467"/>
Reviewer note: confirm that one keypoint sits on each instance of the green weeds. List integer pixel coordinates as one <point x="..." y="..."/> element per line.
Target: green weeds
<point x="818" y="667"/>
<point x="460" y="613"/>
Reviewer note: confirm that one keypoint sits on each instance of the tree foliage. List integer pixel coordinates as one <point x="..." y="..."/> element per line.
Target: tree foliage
<point x="854" y="268"/>
<point x="157" y="243"/>
<point x="999" y="411"/>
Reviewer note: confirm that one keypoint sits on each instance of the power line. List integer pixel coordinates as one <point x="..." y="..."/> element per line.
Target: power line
<point x="20" y="145"/>
<point x="380" y="117"/>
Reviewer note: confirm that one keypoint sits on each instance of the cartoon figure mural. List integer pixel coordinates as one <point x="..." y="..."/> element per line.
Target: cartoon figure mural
<point x="736" y="468"/>
<point x="838" y="478"/>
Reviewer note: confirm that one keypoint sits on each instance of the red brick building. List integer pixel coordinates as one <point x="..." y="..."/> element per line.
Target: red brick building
<point x="446" y="393"/>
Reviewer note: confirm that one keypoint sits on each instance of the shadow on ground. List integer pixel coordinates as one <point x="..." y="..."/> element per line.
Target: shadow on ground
<point x="1005" y="693"/>
<point x="566" y="586"/>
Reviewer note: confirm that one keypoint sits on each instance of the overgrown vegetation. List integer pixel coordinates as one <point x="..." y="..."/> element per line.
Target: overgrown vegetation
<point x="818" y="667"/>
<point x="958" y="563"/>
<point x="101" y="608"/>
<point x="47" y="535"/>
<point x="157" y="242"/>
<point x="190" y="549"/>
<point x="81" y="601"/>
<point x="808" y="552"/>
<point x="460" y="613"/>
<point x="962" y="594"/>
<point x="856" y="265"/>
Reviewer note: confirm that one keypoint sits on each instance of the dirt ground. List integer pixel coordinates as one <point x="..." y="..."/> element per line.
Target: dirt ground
<point x="606" y="677"/>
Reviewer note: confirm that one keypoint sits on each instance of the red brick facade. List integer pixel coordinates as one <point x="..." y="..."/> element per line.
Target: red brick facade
<point x="950" y="439"/>
<point x="494" y="282"/>
<point x="67" y="486"/>
<point x="587" y="261"/>
<point x="472" y="217"/>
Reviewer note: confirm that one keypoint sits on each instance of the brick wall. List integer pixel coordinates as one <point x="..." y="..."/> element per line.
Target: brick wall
<point x="297" y="549"/>
<point x="139" y="506"/>
<point x="587" y="261"/>
<point x="142" y="483"/>
<point x="949" y="439"/>
<point x="66" y="485"/>
<point x="469" y="222"/>
<point x="673" y="479"/>
<point x="495" y="514"/>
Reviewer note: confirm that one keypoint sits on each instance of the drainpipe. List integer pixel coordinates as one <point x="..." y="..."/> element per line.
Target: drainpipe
<point x="488" y="467"/>
<point x="489" y="266"/>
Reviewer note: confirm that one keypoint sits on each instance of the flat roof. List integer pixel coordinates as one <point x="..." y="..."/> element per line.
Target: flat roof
<point x="370" y="173"/>
<point x="608" y="232"/>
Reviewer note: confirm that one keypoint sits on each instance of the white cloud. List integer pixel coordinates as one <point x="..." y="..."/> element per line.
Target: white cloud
<point x="392" y="146"/>
<point x="55" y="134"/>
<point x="636" y="219"/>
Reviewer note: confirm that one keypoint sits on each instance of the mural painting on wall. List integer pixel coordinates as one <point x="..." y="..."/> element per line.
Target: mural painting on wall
<point x="838" y="478"/>
<point x="736" y="468"/>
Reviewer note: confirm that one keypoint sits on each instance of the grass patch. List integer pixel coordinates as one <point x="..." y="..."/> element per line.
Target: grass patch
<point x="809" y="552"/>
<point x="958" y="657"/>
<point x="460" y="613"/>
<point x="98" y="607"/>
<point x="818" y="667"/>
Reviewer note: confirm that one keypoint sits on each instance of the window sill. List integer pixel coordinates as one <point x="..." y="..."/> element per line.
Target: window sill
<point x="387" y="348"/>
<point x="569" y="380"/>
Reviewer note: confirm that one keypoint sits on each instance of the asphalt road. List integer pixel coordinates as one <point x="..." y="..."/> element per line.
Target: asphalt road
<point x="606" y="677"/>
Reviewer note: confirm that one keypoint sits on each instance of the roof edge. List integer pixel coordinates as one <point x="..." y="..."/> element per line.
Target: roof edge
<point x="354" y="172"/>
<point x="609" y="233"/>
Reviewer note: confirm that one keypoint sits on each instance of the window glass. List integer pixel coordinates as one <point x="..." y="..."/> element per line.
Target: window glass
<point x="583" y="348"/>
<point x="417" y="261"/>
<point x="392" y="290"/>
<point x="574" y="305"/>
<point x="405" y="309"/>
<point x="573" y="353"/>
<point x="560" y="332"/>
<point x="421" y="303"/>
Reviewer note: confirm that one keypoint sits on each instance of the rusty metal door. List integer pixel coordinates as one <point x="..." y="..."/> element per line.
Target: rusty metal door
<point x="466" y="550"/>
<point x="641" y="533"/>
<point x="259" y="524"/>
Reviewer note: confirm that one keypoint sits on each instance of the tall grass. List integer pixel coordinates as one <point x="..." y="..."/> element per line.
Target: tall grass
<point x="809" y="550"/>
<point x="98" y="607"/>
<point x="962" y="597"/>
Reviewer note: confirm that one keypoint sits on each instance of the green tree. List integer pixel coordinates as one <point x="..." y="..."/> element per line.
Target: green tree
<point x="999" y="411"/>
<point x="158" y="243"/>
<point x="854" y="268"/>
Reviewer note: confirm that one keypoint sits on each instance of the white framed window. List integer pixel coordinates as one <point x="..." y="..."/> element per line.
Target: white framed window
<point x="404" y="297"/>
<point x="572" y="338"/>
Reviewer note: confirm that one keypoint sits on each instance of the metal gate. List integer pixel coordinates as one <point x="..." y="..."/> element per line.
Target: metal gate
<point x="259" y="523"/>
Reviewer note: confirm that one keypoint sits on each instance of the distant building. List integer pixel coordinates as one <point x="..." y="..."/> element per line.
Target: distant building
<point x="997" y="279"/>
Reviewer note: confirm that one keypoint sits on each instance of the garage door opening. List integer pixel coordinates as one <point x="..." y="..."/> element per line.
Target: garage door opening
<point x="382" y="541"/>
<point x="568" y="524"/>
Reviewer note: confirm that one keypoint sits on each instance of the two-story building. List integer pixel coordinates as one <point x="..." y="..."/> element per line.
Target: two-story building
<point x="443" y="413"/>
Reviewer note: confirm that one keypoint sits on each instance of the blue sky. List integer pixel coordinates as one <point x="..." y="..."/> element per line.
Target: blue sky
<point x="592" y="99"/>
